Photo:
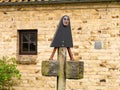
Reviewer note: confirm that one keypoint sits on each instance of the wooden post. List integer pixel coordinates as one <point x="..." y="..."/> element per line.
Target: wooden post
<point x="61" y="78"/>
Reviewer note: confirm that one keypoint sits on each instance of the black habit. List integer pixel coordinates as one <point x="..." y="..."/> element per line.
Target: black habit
<point x="63" y="36"/>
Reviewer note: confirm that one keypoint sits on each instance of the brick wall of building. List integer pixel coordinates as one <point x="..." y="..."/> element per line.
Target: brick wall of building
<point x="92" y="24"/>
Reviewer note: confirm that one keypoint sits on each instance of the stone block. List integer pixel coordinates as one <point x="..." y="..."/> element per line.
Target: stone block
<point x="1" y="0"/>
<point x="50" y="68"/>
<point x="74" y="69"/>
<point x="98" y="45"/>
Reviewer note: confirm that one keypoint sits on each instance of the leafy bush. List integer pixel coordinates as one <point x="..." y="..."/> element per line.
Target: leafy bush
<point x="9" y="74"/>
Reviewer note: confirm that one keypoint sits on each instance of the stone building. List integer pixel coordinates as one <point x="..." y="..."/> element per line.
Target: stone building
<point x="27" y="28"/>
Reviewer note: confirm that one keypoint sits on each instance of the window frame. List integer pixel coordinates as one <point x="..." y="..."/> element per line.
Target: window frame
<point x="21" y="32"/>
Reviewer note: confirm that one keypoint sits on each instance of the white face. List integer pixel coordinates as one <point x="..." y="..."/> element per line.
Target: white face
<point x="66" y="21"/>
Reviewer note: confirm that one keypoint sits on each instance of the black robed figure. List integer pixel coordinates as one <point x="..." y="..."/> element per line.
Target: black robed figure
<point x="63" y="37"/>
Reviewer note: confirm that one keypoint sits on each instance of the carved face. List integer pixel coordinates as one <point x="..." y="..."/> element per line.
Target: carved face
<point x="66" y="21"/>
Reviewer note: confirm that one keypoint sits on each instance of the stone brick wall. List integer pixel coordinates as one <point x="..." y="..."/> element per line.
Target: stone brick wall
<point x="93" y="24"/>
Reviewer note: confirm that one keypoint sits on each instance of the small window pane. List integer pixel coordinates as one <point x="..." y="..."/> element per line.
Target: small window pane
<point x="32" y="47"/>
<point x="25" y="37"/>
<point x="25" y="46"/>
<point x="32" y="37"/>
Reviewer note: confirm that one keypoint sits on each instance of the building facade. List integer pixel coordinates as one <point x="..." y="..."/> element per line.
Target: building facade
<point x="27" y="29"/>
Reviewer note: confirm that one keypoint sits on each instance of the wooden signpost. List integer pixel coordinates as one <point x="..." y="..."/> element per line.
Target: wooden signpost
<point x="63" y="69"/>
<point x="61" y="78"/>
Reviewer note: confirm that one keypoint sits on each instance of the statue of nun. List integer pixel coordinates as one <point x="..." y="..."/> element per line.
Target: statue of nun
<point x="63" y="37"/>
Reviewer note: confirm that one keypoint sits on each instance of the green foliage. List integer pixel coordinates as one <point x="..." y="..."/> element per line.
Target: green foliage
<point x="9" y="74"/>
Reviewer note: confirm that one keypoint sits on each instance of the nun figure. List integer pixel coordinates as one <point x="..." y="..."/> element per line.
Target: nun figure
<point x="63" y="37"/>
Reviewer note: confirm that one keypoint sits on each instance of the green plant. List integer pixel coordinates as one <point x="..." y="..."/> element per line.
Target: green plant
<point x="9" y="74"/>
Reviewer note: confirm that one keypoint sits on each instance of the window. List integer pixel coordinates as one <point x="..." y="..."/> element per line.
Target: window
<point x="28" y="42"/>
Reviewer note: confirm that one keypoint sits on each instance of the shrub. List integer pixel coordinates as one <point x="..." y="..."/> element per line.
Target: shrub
<point x="9" y="74"/>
